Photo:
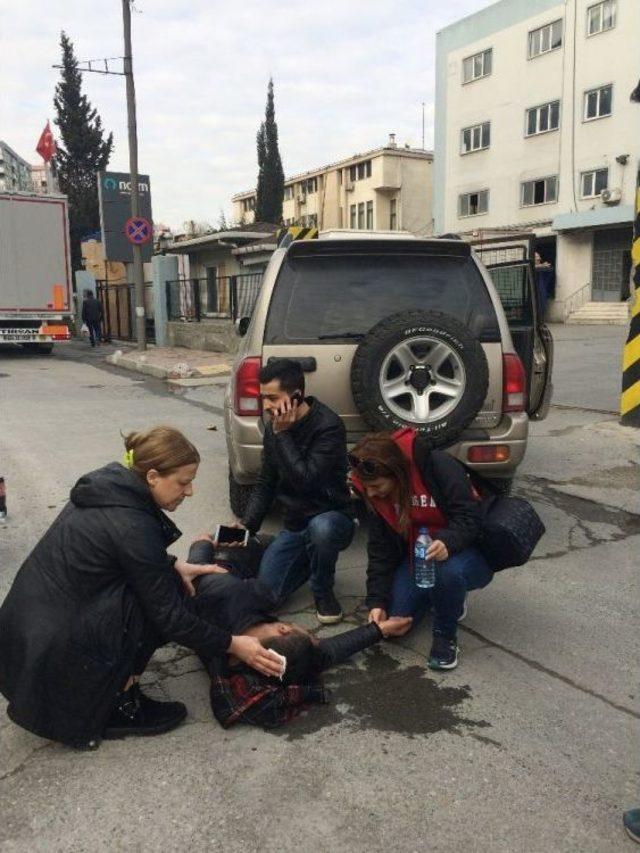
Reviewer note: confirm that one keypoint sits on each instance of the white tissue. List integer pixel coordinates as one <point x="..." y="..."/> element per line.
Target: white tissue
<point x="283" y="662"/>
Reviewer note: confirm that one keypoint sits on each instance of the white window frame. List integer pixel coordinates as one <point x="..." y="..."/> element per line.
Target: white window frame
<point x="482" y="54"/>
<point x="353" y="216"/>
<point x="393" y="214"/>
<point x="476" y="132"/>
<point x="467" y="195"/>
<point x="613" y="6"/>
<point x="592" y="174"/>
<point x="288" y="193"/>
<point x="544" y="31"/>
<point x="546" y="178"/>
<point x="538" y="110"/>
<point x="585" y="101"/>
<point x="369" y="216"/>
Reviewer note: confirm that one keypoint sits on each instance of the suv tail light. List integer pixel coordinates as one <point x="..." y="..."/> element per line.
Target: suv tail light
<point x="246" y="397"/>
<point x="514" y="384"/>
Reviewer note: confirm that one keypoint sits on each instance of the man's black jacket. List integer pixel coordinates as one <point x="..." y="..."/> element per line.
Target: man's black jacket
<point x="91" y="310"/>
<point x="305" y="467"/>
<point x="449" y="484"/>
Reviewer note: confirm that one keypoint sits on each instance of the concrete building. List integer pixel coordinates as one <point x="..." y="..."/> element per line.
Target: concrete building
<point x="535" y="132"/>
<point x="43" y="181"/>
<point x="15" y="172"/>
<point x="388" y="188"/>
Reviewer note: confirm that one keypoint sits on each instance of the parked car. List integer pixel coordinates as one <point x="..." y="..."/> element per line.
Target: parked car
<point x="393" y="331"/>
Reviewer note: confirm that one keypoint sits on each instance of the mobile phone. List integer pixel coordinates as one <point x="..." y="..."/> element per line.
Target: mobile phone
<point x="296" y="397"/>
<point x="226" y="535"/>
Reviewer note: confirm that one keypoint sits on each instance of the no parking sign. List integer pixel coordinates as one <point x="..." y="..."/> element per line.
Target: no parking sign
<point x="138" y="230"/>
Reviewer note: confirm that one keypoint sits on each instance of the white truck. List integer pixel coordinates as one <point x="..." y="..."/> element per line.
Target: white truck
<point x="35" y="270"/>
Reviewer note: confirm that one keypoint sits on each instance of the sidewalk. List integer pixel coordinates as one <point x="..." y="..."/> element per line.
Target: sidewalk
<point x="178" y="365"/>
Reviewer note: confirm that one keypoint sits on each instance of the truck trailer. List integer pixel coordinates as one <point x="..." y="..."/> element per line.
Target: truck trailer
<point x="35" y="270"/>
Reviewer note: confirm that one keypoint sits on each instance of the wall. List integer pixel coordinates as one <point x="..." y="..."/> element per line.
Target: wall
<point x="209" y="335"/>
<point x="573" y="270"/>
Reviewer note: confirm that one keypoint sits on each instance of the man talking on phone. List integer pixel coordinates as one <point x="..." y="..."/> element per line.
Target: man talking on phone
<point x="304" y="466"/>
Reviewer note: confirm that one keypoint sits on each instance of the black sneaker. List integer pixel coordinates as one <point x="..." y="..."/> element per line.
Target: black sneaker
<point x="328" y="610"/>
<point x="444" y="653"/>
<point x="137" y="714"/>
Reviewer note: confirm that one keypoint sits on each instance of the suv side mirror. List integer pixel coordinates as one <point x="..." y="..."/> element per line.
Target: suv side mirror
<point x="242" y="326"/>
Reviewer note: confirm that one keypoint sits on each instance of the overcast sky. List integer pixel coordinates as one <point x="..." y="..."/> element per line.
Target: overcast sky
<point x="346" y="74"/>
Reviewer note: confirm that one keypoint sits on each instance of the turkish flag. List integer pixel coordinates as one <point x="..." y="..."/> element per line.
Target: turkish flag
<point x="46" y="146"/>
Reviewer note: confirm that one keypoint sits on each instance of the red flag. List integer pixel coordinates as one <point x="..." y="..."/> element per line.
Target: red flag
<point x="46" y="146"/>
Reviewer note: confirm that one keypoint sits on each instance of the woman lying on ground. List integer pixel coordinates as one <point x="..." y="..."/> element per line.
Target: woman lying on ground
<point x="407" y="486"/>
<point x="99" y="593"/>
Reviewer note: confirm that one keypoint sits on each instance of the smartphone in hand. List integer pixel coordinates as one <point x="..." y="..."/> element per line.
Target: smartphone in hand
<point x="226" y="535"/>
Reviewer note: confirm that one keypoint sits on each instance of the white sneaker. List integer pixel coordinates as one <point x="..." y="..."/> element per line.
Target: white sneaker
<point x="465" y="607"/>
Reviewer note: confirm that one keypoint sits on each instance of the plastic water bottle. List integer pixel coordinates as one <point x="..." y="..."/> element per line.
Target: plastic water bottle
<point x="424" y="570"/>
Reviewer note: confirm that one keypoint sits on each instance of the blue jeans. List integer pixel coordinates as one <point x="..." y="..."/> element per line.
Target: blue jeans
<point x="295" y="556"/>
<point x="454" y="578"/>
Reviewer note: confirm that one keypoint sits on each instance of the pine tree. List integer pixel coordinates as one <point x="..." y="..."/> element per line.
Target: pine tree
<point x="270" y="190"/>
<point x="81" y="153"/>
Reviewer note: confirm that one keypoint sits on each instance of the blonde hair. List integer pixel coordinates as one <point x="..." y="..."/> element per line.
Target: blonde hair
<point x="161" y="448"/>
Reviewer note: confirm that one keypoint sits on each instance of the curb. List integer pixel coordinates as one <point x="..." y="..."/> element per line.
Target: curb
<point x="206" y="375"/>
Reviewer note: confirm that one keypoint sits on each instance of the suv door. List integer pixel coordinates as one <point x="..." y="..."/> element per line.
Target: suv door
<point x="515" y="283"/>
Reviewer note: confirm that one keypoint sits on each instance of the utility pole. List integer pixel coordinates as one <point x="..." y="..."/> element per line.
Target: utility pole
<point x="138" y="269"/>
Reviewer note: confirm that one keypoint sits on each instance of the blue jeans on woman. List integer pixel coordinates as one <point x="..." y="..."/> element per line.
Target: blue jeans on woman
<point x="462" y="572"/>
<point x="295" y="556"/>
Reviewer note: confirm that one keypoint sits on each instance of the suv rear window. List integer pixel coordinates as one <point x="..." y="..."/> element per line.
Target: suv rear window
<point x="343" y="295"/>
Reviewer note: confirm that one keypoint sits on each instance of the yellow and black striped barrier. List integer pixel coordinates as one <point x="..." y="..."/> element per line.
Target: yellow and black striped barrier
<point x="630" y="399"/>
<point x="286" y="236"/>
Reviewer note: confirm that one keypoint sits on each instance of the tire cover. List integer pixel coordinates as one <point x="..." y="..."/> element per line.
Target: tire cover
<point x="409" y="326"/>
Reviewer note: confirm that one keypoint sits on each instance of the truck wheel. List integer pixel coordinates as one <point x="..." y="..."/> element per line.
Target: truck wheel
<point x="40" y="349"/>
<point x="238" y="496"/>
<point x="422" y="369"/>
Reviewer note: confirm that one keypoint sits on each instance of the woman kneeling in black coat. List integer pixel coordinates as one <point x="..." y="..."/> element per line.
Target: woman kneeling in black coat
<point x="99" y="593"/>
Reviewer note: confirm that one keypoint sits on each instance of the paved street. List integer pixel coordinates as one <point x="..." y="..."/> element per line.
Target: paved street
<point x="530" y="745"/>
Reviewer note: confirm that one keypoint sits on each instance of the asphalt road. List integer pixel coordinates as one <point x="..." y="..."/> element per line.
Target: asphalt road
<point x="530" y="745"/>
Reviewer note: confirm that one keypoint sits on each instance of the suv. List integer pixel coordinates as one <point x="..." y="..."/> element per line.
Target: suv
<point x="393" y="330"/>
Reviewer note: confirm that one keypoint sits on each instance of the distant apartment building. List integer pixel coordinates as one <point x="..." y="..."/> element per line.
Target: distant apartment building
<point x="15" y="173"/>
<point x="386" y="189"/>
<point x="535" y="132"/>
<point x="43" y="181"/>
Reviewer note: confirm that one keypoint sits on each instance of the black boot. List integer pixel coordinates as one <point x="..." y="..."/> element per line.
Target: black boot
<point x="137" y="714"/>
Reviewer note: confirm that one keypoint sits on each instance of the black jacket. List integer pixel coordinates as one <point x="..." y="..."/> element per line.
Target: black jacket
<point x="450" y="487"/>
<point x="305" y="467"/>
<point x="91" y="310"/>
<point x="73" y="618"/>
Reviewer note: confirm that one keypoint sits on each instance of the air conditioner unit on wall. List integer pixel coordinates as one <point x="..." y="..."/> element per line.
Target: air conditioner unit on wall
<point x="302" y="198"/>
<point x="349" y="187"/>
<point x="611" y="196"/>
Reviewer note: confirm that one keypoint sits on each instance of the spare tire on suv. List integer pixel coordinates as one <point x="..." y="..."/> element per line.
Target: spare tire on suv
<point x="423" y="369"/>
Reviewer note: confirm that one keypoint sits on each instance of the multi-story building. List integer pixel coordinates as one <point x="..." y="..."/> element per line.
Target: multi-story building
<point x="15" y="173"/>
<point x="535" y="132"/>
<point x="43" y="180"/>
<point x="384" y="189"/>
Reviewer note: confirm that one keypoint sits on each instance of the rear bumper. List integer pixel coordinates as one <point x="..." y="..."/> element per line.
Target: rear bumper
<point x="43" y="335"/>
<point x="244" y="445"/>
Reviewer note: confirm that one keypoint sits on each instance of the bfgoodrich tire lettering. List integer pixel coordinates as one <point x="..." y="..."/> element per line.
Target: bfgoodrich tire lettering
<point x="423" y="369"/>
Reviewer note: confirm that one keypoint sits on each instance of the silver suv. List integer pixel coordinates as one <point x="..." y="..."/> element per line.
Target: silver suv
<point x="392" y="331"/>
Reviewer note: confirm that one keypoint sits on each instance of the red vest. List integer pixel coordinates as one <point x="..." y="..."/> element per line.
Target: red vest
<point x="424" y="512"/>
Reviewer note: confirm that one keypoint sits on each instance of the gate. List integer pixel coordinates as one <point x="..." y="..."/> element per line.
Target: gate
<point x="118" y="310"/>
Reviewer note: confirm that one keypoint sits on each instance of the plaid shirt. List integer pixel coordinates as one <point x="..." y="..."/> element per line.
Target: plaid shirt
<point x="247" y="697"/>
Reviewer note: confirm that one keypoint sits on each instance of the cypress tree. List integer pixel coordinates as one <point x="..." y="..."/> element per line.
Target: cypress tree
<point x="270" y="190"/>
<point x="81" y="153"/>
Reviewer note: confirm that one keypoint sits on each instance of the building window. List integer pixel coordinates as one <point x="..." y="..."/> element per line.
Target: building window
<point x="543" y="118"/>
<point x="288" y="193"/>
<point x="353" y="212"/>
<point x="592" y="183"/>
<point x="308" y="186"/>
<point x="472" y="204"/>
<point x="311" y="220"/>
<point x="601" y="17"/>
<point x="393" y="215"/>
<point x="597" y="102"/>
<point x="249" y="204"/>
<point x="360" y="171"/>
<point x="476" y="66"/>
<point x="545" y="39"/>
<point x="361" y="216"/>
<point x="475" y="138"/>
<point x="541" y="191"/>
<point x="370" y="216"/>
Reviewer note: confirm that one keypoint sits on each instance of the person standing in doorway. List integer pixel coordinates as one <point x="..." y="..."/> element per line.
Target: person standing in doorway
<point x="92" y="316"/>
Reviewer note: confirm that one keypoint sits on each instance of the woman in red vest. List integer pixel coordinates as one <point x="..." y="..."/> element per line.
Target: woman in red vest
<point x="406" y="485"/>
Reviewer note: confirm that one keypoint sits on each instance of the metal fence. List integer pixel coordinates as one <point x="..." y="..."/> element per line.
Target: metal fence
<point x="225" y="297"/>
<point x="118" y="310"/>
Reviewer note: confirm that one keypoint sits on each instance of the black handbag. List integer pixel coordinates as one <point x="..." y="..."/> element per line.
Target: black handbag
<point x="511" y="529"/>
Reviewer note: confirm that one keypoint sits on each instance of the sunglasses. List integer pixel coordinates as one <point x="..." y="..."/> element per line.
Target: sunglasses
<point x="368" y="467"/>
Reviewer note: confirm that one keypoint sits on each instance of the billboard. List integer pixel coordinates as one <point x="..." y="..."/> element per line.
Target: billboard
<point x="114" y="194"/>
